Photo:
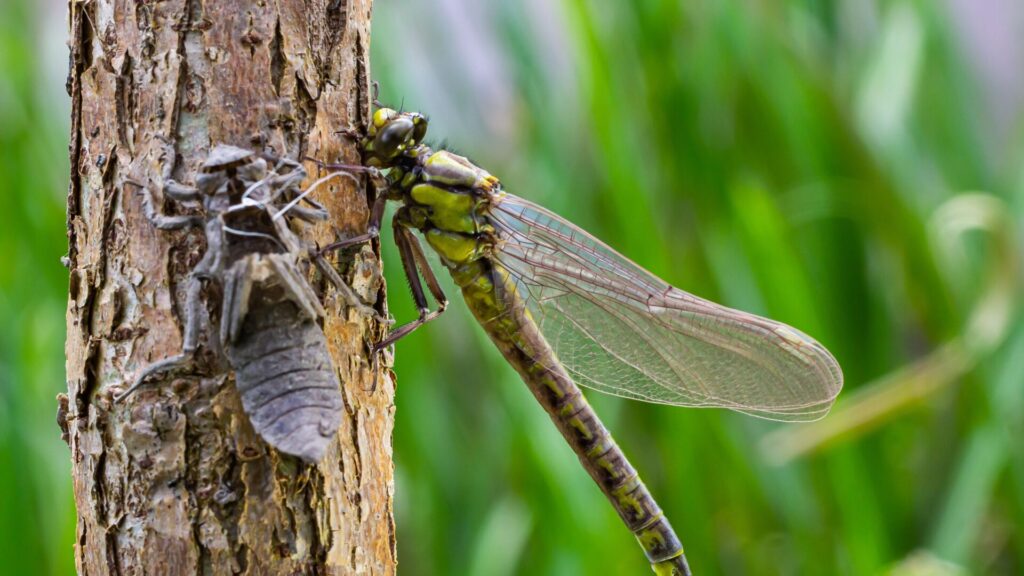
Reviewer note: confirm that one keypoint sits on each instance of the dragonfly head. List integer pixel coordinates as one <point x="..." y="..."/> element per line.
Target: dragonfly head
<point x="393" y="134"/>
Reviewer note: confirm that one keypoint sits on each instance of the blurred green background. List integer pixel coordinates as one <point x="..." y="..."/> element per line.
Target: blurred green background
<point x="851" y="168"/>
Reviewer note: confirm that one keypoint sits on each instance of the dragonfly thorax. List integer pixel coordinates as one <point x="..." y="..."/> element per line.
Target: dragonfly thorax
<point x="447" y="198"/>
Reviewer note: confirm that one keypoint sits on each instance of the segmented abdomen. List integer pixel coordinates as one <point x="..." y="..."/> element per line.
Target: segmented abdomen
<point x="491" y="295"/>
<point x="288" y="385"/>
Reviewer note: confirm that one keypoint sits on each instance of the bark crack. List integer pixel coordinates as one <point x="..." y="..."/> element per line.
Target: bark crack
<point x="362" y="81"/>
<point x="277" y="59"/>
<point x="183" y="27"/>
<point x="113" y="556"/>
<point x="76" y="65"/>
<point x="124" y="98"/>
<point x="336" y="17"/>
<point x="306" y="113"/>
<point x="357" y="457"/>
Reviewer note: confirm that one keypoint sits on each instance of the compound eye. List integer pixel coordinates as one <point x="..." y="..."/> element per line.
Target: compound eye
<point x="394" y="135"/>
<point x="419" y="127"/>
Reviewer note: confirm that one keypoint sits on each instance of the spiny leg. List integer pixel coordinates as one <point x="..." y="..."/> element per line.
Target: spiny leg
<point x="171" y="189"/>
<point x="412" y="259"/>
<point x="376" y="95"/>
<point x="426" y="271"/>
<point x="372" y="230"/>
<point x="347" y="294"/>
<point x="162" y="221"/>
<point x="297" y="246"/>
<point x="181" y="192"/>
<point x="183" y="360"/>
<point x="207" y="268"/>
<point x="287" y="184"/>
<point x="376" y="212"/>
<point x="350" y="168"/>
<point x="285" y="162"/>
<point x="289" y="181"/>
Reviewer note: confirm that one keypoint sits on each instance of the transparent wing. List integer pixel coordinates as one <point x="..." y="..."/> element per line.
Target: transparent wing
<point x="621" y="330"/>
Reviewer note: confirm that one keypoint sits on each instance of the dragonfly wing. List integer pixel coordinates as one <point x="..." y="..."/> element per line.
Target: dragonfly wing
<point x="621" y="330"/>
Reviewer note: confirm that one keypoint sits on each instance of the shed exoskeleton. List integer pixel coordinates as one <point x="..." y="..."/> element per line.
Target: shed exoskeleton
<point x="270" y="324"/>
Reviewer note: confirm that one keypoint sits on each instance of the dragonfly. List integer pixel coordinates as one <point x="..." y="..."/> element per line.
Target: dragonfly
<point x="566" y="310"/>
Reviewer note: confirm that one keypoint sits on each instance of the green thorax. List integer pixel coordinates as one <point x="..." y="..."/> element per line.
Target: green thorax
<point x="447" y="198"/>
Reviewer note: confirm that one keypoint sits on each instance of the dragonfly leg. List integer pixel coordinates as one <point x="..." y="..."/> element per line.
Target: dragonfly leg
<point x="346" y="292"/>
<point x="170" y="189"/>
<point x="162" y="221"/>
<point x="209" y="268"/>
<point x="416" y="266"/>
<point x="350" y="168"/>
<point x="376" y="95"/>
<point x="372" y="230"/>
<point x="181" y="362"/>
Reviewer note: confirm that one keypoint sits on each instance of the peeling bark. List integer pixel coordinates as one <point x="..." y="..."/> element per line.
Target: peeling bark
<point x="174" y="480"/>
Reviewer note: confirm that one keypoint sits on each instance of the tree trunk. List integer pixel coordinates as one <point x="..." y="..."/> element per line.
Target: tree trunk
<point x="174" y="480"/>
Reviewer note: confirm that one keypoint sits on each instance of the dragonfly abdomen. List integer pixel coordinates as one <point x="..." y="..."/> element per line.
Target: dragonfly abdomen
<point x="492" y="298"/>
<point x="608" y="466"/>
